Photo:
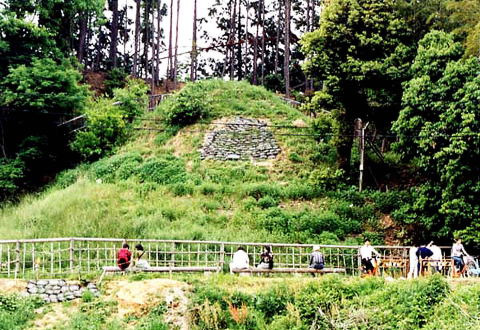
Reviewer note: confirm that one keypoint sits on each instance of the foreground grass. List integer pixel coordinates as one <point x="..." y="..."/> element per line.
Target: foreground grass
<point x="220" y="302"/>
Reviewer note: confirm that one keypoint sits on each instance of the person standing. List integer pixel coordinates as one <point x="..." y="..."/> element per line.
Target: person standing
<point x="458" y="252"/>
<point x="124" y="256"/>
<point x="240" y="260"/>
<point x="366" y="254"/>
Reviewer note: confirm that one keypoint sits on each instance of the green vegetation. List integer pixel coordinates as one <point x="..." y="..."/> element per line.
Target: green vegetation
<point x="16" y="312"/>
<point x="332" y="303"/>
<point x="161" y="189"/>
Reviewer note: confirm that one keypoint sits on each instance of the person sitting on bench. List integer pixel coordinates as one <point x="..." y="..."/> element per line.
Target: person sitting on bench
<point x="316" y="258"/>
<point x="423" y="253"/>
<point x="124" y="256"/>
<point x="266" y="259"/>
<point x="240" y="260"/>
<point x="139" y="262"/>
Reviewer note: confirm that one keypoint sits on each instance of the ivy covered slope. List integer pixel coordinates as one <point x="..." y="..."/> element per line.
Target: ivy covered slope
<point x="156" y="186"/>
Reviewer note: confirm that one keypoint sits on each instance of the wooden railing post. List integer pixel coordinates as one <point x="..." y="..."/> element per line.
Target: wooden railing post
<point x="71" y="249"/>
<point x="222" y="257"/>
<point x="17" y="258"/>
<point x="172" y="257"/>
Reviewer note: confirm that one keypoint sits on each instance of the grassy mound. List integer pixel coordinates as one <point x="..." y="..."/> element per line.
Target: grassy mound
<point x="156" y="186"/>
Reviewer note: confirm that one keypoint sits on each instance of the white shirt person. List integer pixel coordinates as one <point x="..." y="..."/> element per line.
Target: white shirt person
<point x="240" y="260"/>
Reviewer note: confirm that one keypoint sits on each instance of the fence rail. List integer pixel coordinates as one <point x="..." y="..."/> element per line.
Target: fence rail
<point x="55" y="257"/>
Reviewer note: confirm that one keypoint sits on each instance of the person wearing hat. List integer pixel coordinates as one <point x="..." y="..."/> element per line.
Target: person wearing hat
<point x="366" y="253"/>
<point x="316" y="258"/>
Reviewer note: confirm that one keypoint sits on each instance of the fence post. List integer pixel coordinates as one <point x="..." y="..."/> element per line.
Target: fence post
<point x="71" y="254"/>
<point x="172" y="257"/>
<point x="222" y="257"/>
<point x="359" y="261"/>
<point x="17" y="258"/>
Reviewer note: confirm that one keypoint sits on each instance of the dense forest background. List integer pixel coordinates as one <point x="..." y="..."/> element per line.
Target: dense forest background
<point x="74" y="77"/>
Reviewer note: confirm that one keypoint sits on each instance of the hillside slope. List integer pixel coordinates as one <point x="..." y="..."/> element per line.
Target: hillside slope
<point x="156" y="186"/>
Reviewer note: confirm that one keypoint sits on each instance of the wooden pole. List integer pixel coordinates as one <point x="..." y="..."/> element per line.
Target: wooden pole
<point x="17" y="258"/>
<point x="362" y="157"/>
<point x="71" y="254"/>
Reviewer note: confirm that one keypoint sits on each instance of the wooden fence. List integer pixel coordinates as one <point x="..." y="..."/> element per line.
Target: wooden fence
<point x="42" y="258"/>
<point x="155" y="100"/>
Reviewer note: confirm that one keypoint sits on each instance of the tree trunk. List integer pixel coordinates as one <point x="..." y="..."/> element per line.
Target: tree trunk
<point x="88" y="59"/>
<point x="277" y="40"/>
<point x="247" y="41"/>
<point x="152" y="81"/>
<point x="239" y="46"/>
<point x="286" y="66"/>
<point x="146" y="46"/>
<point x="170" y="48"/>
<point x="255" y="45"/>
<point x="307" y="87"/>
<point x="114" y="35"/>
<point x="232" y="40"/>
<point x="137" y="37"/>
<point x="159" y="32"/>
<point x="82" y="37"/>
<point x="263" y="42"/>
<point x="175" y="78"/>
<point x="193" y="65"/>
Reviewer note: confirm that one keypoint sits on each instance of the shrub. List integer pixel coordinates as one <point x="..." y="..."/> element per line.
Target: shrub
<point x="16" y="312"/>
<point x="266" y="202"/>
<point x="132" y="99"/>
<point x="182" y="189"/>
<point x="387" y="202"/>
<point x="274" y="301"/>
<point x="299" y="191"/>
<point x="165" y="169"/>
<point x="117" y="167"/>
<point x="115" y="79"/>
<point x="187" y="106"/>
<point x="106" y="129"/>
<point x="260" y="190"/>
<point x="294" y="157"/>
<point x="327" y="178"/>
<point x="67" y="178"/>
<point x="208" y="189"/>
<point x="11" y="172"/>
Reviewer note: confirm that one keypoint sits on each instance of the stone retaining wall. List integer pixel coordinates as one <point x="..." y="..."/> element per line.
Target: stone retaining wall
<point x="240" y="139"/>
<point x="59" y="290"/>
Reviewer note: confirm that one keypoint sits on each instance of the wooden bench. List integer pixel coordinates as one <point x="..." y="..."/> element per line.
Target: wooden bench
<point x="291" y="271"/>
<point x="116" y="269"/>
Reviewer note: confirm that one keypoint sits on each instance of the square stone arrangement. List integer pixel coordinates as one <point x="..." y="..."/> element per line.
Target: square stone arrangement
<point x="240" y="139"/>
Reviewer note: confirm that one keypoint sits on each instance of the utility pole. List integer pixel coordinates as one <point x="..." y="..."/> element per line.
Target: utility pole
<point x="361" y="129"/>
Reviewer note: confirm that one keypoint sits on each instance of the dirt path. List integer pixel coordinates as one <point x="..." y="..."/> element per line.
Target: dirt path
<point x="138" y="297"/>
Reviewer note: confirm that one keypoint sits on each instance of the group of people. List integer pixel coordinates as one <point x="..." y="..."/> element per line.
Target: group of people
<point x="241" y="261"/>
<point x="368" y="255"/>
<point x="430" y="253"/>
<point x="125" y="260"/>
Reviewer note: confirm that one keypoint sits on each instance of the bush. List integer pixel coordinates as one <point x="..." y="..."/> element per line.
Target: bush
<point x="118" y="167"/>
<point x="182" y="189"/>
<point x="166" y="169"/>
<point x="274" y="301"/>
<point x="45" y="86"/>
<point x="300" y="191"/>
<point x="132" y="99"/>
<point x="16" y="312"/>
<point x="115" y="79"/>
<point x="187" y="106"/>
<point x="11" y="173"/>
<point x="260" y="190"/>
<point x="105" y="130"/>
<point x="294" y="157"/>
<point x="208" y="189"/>
<point x="266" y="202"/>
<point x="67" y="178"/>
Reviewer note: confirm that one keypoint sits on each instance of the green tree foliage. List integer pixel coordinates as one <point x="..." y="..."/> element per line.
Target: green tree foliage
<point x="21" y="41"/>
<point x="464" y="15"/>
<point x="11" y="173"/>
<point x="361" y="53"/>
<point x="107" y="120"/>
<point x="44" y="86"/>
<point x="438" y="128"/>
<point x="106" y="128"/>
